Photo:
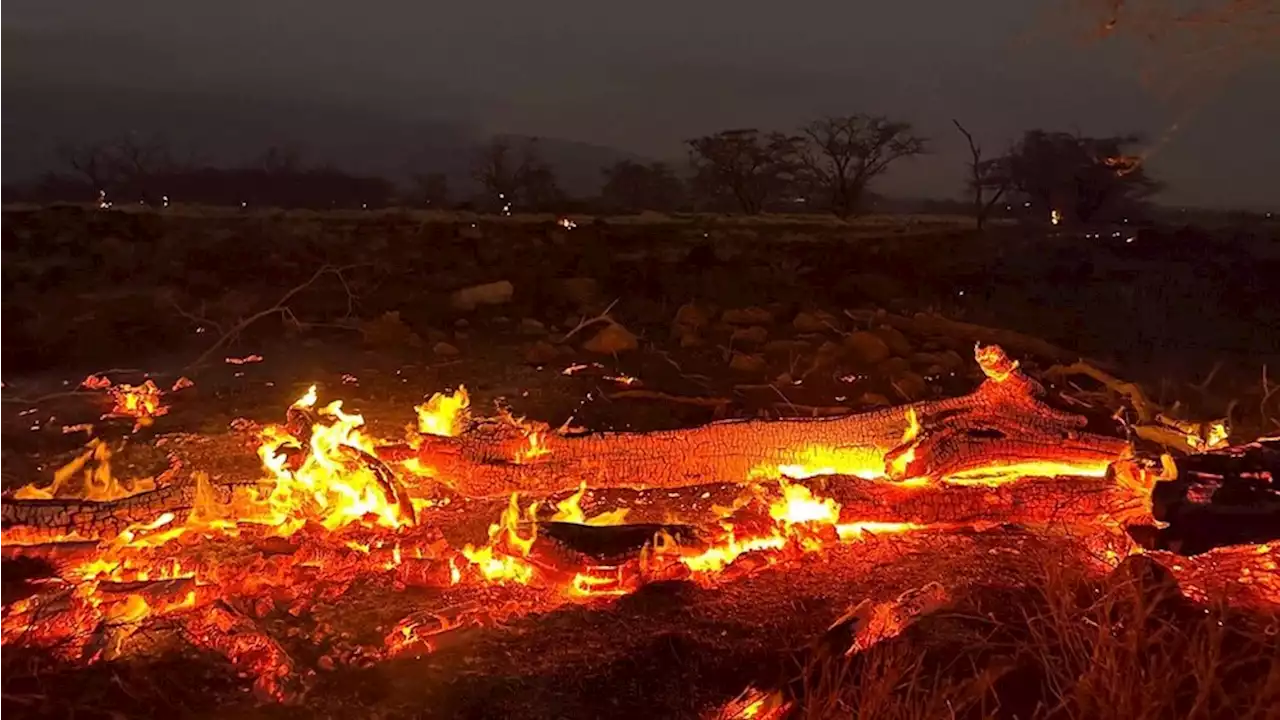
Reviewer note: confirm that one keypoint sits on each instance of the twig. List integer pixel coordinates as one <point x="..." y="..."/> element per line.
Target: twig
<point x="1202" y="387"/>
<point x="1267" y="392"/>
<point x="655" y="395"/>
<point x="279" y="308"/>
<point x="587" y="322"/>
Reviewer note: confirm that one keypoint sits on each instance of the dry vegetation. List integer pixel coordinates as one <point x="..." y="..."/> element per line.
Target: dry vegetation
<point x="1065" y="647"/>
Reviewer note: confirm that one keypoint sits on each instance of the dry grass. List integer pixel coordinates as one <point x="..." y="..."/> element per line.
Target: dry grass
<point x="1063" y="648"/>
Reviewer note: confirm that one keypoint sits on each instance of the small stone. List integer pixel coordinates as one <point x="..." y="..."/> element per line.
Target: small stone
<point x="494" y="293"/>
<point x="530" y="326"/>
<point x="747" y="316"/>
<point x="692" y="316"/>
<point x="690" y="339"/>
<point x="612" y="339"/>
<point x="462" y="323"/>
<point x="910" y="386"/>
<point x="873" y="400"/>
<point x="896" y="341"/>
<point x="754" y="335"/>
<point x="809" y="323"/>
<point x="501" y="320"/>
<point x="951" y="360"/>
<point x="893" y="367"/>
<point x="785" y="348"/>
<point x="445" y="350"/>
<point x="745" y="363"/>
<point x="867" y="348"/>
<point x="827" y="356"/>
<point x="541" y="353"/>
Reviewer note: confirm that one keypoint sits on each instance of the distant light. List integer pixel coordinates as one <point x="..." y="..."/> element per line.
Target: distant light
<point x="244" y="204"/>
<point x="1026" y="204"/>
<point x="364" y="206"/>
<point x="164" y="200"/>
<point x="1055" y="217"/>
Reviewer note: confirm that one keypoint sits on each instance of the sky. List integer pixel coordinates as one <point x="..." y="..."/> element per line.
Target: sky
<point x="643" y="77"/>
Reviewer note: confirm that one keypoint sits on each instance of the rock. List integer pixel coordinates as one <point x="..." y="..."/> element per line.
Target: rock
<point x="827" y="356"/>
<point x="787" y="348"/>
<point x="581" y="291"/>
<point x="691" y="319"/>
<point x="690" y="339"/>
<point x="494" y="293"/>
<point x="897" y="342"/>
<point x="692" y="316"/>
<point x="754" y="335"/>
<point x="747" y="316"/>
<point x="501" y="320"/>
<point x="745" y="363"/>
<point x="810" y="323"/>
<point x="910" y="386"/>
<point x="893" y="367"/>
<point x="530" y="326"/>
<point x="937" y="363"/>
<point x="873" y="400"/>
<point x="462" y="323"/>
<point x="445" y="350"/>
<point x="951" y="360"/>
<point x="541" y="353"/>
<point x="866" y="348"/>
<point x="612" y="339"/>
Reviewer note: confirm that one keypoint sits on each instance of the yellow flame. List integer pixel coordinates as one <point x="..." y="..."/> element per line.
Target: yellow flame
<point x="444" y="414"/>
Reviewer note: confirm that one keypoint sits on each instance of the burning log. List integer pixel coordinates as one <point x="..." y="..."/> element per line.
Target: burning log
<point x="44" y="521"/>
<point x="1000" y="428"/>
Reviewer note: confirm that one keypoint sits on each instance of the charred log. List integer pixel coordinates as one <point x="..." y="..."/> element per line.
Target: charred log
<point x="1220" y="498"/>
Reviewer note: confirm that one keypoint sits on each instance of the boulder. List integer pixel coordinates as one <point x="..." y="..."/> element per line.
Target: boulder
<point x="867" y="348"/>
<point x="744" y="363"/>
<point x="754" y="335"/>
<point x="494" y="293"/>
<point x="747" y="316"/>
<point x="612" y="339"/>
<point x="445" y="350"/>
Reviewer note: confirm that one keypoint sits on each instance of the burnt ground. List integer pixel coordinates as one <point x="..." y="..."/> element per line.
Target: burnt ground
<point x="144" y="295"/>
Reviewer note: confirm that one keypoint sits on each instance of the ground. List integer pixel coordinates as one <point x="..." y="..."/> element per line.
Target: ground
<point x="728" y="320"/>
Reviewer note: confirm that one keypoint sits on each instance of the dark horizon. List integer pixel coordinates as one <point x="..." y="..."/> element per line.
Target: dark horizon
<point x="414" y="88"/>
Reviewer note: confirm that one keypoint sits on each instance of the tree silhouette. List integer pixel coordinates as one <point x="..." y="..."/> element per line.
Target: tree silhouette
<point x="984" y="176"/>
<point x="1084" y="179"/>
<point x="632" y="186"/>
<point x="746" y="165"/>
<point x="843" y="154"/>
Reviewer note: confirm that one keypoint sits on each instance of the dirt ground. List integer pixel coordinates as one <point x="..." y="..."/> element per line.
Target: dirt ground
<point x="779" y="326"/>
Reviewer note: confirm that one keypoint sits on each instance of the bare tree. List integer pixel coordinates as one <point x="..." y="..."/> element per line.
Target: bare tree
<point x="843" y="154"/>
<point x="632" y="186"/>
<point x="752" y="167"/>
<point x="983" y="176"/>
<point x="93" y="162"/>
<point x="509" y="179"/>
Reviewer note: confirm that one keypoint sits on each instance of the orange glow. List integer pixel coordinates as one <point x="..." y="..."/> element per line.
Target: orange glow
<point x="137" y="401"/>
<point x="93" y="468"/>
<point x="798" y="505"/>
<point x="330" y="485"/>
<point x="535" y="450"/>
<point x="444" y="414"/>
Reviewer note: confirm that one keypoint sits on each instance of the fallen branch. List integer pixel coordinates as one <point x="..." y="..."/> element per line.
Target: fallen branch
<point x="280" y="308"/>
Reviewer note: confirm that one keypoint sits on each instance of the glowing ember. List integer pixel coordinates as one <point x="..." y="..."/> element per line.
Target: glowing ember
<point x="444" y="414"/>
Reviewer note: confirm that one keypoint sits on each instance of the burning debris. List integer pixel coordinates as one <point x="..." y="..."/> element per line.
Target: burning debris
<point x="337" y="509"/>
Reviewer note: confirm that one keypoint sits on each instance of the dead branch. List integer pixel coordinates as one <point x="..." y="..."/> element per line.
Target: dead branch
<point x="588" y="322"/>
<point x="711" y="402"/>
<point x="280" y="308"/>
<point x="1147" y="411"/>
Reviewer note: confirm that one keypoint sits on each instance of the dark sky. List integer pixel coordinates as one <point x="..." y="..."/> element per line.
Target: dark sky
<point x="644" y="76"/>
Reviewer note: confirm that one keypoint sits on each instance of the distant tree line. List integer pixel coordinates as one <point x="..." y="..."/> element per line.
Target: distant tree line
<point x="827" y="166"/>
